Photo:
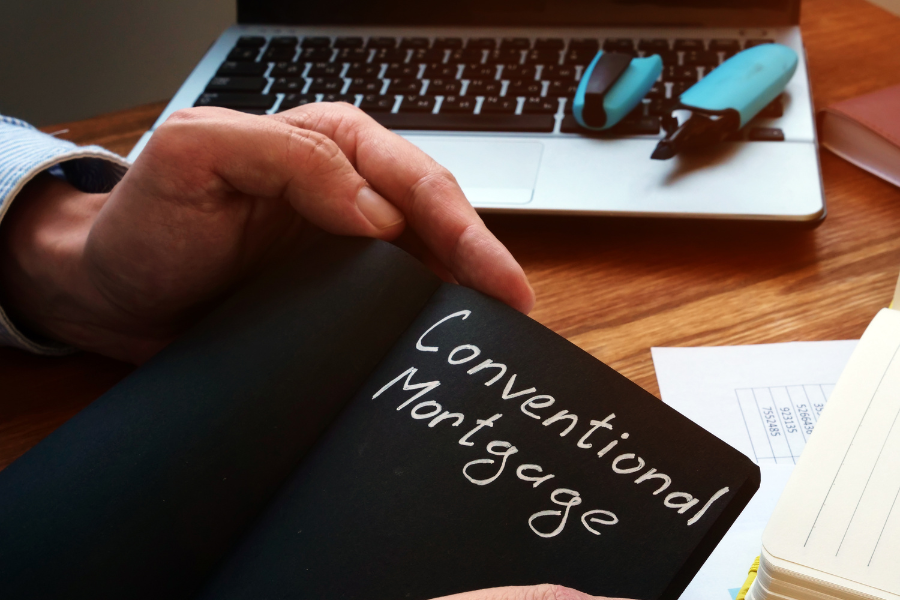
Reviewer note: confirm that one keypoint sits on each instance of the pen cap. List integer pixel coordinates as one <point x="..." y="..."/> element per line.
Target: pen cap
<point x="746" y="82"/>
<point x="628" y="87"/>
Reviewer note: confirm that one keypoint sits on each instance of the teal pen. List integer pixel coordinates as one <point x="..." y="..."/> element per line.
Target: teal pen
<point x="728" y="98"/>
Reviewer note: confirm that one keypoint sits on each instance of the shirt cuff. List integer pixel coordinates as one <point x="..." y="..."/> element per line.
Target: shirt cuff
<point x="26" y="152"/>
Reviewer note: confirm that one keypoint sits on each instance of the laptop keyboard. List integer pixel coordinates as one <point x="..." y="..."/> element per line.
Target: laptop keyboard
<point x="457" y="84"/>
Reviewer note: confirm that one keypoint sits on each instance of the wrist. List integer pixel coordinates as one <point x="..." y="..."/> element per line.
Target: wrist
<point x="42" y="285"/>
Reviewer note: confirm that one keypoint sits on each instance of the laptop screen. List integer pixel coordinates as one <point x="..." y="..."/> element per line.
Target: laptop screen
<point x="728" y="13"/>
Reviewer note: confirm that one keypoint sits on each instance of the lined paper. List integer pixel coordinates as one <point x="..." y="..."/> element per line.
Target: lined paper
<point x="839" y="511"/>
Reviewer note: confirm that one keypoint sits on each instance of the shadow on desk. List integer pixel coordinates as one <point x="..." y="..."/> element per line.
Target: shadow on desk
<point x="38" y="394"/>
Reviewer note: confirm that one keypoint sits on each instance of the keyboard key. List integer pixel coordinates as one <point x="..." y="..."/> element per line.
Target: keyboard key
<point x="401" y="70"/>
<point x="287" y="69"/>
<point x="444" y="87"/>
<point x="724" y="45"/>
<point x="279" y="53"/>
<point x="316" y="42"/>
<point x="642" y="126"/>
<point x="542" y="57"/>
<point x="639" y="126"/>
<point x="348" y="42"/>
<point x="449" y="43"/>
<point x="284" y="41"/>
<point x="700" y="58"/>
<point x="482" y="43"/>
<point x="672" y="73"/>
<point x="390" y="55"/>
<point x="405" y="86"/>
<point x="483" y="87"/>
<point x="585" y="44"/>
<point x="657" y="91"/>
<point x="476" y="71"/>
<point x="624" y="45"/>
<point x="326" y="85"/>
<point x="560" y="89"/>
<point x="535" y="123"/>
<point x="497" y="104"/>
<point x="382" y="42"/>
<point x="295" y="100"/>
<point x="684" y="44"/>
<point x="668" y="58"/>
<point x="680" y="87"/>
<point x="515" y="44"/>
<point x="658" y="107"/>
<point x="243" y="54"/>
<point x="377" y="103"/>
<point x="352" y="55"/>
<point x="315" y="55"/>
<point x="441" y="71"/>
<point x="458" y="104"/>
<point x="518" y="72"/>
<point x="773" y="110"/>
<point x="427" y="55"/>
<point x="284" y="84"/>
<point x="417" y="104"/>
<point x="654" y="46"/>
<point x="348" y="98"/>
<point x="241" y="69"/>
<point x="258" y="101"/>
<point x="251" y="41"/>
<point x="536" y="104"/>
<point x="579" y="57"/>
<point x="236" y="84"/>
<point x="504" y="57"/>
<point x="558" y="73"/>
<point x="466" y="56"/>
<point x="365" y="85"/>
<point x="414" y="42"/>
<point x="751" y="43"/>
<point x="524" y="87"/>
<point x="765" y="134"/>
<point x="361" y="69"/>
<point x="549" y="44"/>
<point x="325" y="69"/>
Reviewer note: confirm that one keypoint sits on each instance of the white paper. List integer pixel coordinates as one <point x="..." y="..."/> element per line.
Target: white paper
<point x="765" y="401"/>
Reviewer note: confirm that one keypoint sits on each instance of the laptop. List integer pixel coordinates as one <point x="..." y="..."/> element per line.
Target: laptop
<point x="486" y="87"/>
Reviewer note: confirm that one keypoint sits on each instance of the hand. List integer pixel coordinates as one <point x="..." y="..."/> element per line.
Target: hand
<point x="531" y="592"/>
<point x="214" y="195"/>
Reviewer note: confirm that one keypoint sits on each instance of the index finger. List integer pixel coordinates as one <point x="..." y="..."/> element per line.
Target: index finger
<point x="427" y="194"/>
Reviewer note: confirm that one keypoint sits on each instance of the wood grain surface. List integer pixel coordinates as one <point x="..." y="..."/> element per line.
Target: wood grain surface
<point x="618" y="287"/>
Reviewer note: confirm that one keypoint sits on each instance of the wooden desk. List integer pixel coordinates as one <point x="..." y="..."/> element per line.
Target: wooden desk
<point x="617" y="288"/>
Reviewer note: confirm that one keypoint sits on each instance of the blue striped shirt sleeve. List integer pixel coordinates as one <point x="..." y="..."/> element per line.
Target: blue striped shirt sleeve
<point x="24" y="153"/>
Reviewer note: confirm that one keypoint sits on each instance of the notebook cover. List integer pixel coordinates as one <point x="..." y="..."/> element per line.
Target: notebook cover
<point x="878" y="111"/>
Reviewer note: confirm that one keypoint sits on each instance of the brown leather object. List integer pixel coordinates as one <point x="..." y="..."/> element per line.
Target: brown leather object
<point x="878" y="111"/>
<point x="866" y="132"/>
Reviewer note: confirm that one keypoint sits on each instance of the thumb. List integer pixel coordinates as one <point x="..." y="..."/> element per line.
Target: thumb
<point x="530" y="592"/>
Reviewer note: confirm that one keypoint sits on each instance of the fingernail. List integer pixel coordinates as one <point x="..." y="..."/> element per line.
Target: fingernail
<point x="564" y="593"/>
<point x="380" y="213"/>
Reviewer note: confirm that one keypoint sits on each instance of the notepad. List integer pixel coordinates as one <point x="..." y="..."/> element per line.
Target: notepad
<point x="349" y="427"/>
<point x="835" y="532"/>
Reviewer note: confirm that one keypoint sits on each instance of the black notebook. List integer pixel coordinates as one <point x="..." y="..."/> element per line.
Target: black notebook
<point x="347" y="426"/>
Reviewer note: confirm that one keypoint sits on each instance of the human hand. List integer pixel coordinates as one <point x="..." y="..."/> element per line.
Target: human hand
<point x="530" y="592"/>
<point x="214" y="195"/>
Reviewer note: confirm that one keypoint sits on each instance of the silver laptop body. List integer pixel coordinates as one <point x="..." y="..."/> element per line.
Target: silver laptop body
<point x="487" y="92"/>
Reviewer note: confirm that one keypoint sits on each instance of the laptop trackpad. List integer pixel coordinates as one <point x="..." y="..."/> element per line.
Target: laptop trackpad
<point x="489" y="172"/>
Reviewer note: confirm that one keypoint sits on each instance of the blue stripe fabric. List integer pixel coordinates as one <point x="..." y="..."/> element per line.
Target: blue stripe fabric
<point x="24" y="153"/>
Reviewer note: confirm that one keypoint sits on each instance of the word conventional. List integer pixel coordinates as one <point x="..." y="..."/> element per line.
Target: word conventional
<point x="597" y="431"/>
